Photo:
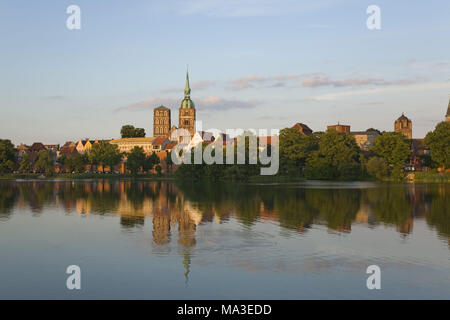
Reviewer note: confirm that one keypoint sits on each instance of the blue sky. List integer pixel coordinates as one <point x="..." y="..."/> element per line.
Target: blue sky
<point x="253" y="64"/>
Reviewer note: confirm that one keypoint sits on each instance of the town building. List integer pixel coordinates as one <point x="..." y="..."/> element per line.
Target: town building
<point x="125" y="145"/>
<point x="340" y="128"/>
<point x="365" y="139"/>
<point x="417" y="160"/>
<point x="303" y="128"/>
<point x="161" y="121"/>
<point x="68" y="149"/>
<point x="404" y="126"/>
<point x="187" y="110"/>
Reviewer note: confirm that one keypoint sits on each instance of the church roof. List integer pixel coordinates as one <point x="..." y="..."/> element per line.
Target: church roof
<point x="187" y="103"/>
<point x="161" y="107"/>
<point x="403" y="117"/>
<point x="448" y="109"/>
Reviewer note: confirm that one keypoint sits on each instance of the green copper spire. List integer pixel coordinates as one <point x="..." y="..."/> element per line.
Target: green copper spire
<point x="187" y="103"/>
<point x="187" y="88"/>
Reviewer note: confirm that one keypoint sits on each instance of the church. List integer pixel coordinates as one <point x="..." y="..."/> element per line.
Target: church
<point x="186" y="118"/>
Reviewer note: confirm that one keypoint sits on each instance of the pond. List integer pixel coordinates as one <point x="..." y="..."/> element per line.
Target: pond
<point x="141" y="239"/>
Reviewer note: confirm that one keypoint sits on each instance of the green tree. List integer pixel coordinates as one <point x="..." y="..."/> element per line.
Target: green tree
<point x="129" y="131"/>
<point x="158" y="170"/>
<point x="169" y="162"/>
<point x="74" y="163"/>
<point x="45" y="162"/>
<point x="377" y="167"/>
<point x="393" y="148"/>
<point x="104" y="154"/>
<point x="294" y="149"/>
<point x="151" y="161"/>
<point x="337" y="156"/>
<point x="438" y="141"/>
<point x="25" y="163"/>
<point x="7" y="156"/>
<point x="135" y="160"/>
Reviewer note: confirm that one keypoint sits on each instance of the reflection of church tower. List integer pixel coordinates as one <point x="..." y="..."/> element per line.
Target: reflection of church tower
<point x="186" y="239"/>
<point x="187" y="110"/>
<point x="161" y="228"/>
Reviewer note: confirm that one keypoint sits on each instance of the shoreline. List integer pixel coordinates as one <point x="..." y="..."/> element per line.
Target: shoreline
<point x="418" y="177"/>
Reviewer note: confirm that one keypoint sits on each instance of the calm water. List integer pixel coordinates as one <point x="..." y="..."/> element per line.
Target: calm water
<point x="161" y="240"/>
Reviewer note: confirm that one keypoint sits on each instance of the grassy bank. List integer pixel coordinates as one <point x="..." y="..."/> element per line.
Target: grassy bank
<point x="432" y="176"/>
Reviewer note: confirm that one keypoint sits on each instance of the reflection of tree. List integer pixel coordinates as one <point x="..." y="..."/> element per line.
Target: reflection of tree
<point x="392" y="206"/>
<point x="294" y="207"/>
<point x="8" y="196"/>
<point x="337" y="207"/>
<point x="439" y="215"/>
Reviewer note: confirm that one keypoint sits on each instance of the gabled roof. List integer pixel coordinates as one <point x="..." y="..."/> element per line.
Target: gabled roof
<point x="159" y="141"/>
<point x="303" y="128"/>
<point x="170" y="146"/>
<point x="162" y="107"/>
<point x="37" y="146"/>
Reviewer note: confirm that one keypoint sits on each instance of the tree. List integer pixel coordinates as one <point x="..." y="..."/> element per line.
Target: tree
<point x="74" y="163"/>
<point x="7" y="156"/>
<point x="104" y="154"/>
<point x="25" y="163"/>
<point x="377" y="167"/>
<point x="139" y="133"/>
<point x="438" y="141"/>
<point x="151" y="161"/>
<point x="294" y="149"/>
<point x="129" y="131"/>
<point x="337" y="156"/>
<point x="373" y="130"/>
<point x="392" y="147"/>
<point x="169" y="162"/>
<point x="135" y="160"/>
<point x="44" y="162"/>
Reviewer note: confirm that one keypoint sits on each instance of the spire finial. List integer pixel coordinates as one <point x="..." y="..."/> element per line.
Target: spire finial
<point x="187" y="88"/>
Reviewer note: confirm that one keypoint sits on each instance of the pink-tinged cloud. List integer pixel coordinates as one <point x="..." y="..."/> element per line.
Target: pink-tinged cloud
<point x="321" y="81"/>
<point x="211" y="103"/>
<point x="252" y="81"/>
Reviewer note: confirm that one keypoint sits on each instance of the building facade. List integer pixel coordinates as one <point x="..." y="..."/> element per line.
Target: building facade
<point x="340" y="128"/>
<point x="161" y="122"/>
<point x="187" y="111"/>
<point x="365" y="139"/>
<point x="404" y="126"/>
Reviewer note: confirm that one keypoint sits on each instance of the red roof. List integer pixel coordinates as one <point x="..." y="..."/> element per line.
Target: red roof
<point x="159" y="141"/>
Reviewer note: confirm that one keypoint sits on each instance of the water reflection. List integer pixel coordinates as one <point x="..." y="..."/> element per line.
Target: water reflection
<point x="182" y="207"/>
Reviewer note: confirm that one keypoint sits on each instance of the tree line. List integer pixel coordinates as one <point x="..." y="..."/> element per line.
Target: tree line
<point x="333" y="155"/>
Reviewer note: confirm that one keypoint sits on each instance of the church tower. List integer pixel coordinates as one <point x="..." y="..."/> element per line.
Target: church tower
<point x="447" y="116"/>
<point x="187" y="110"/>
<point x="161" y="122"/>
<point x="403" y="125"/>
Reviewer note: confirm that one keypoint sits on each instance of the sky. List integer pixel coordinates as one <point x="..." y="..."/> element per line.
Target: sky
<point x="252" y="64"/>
